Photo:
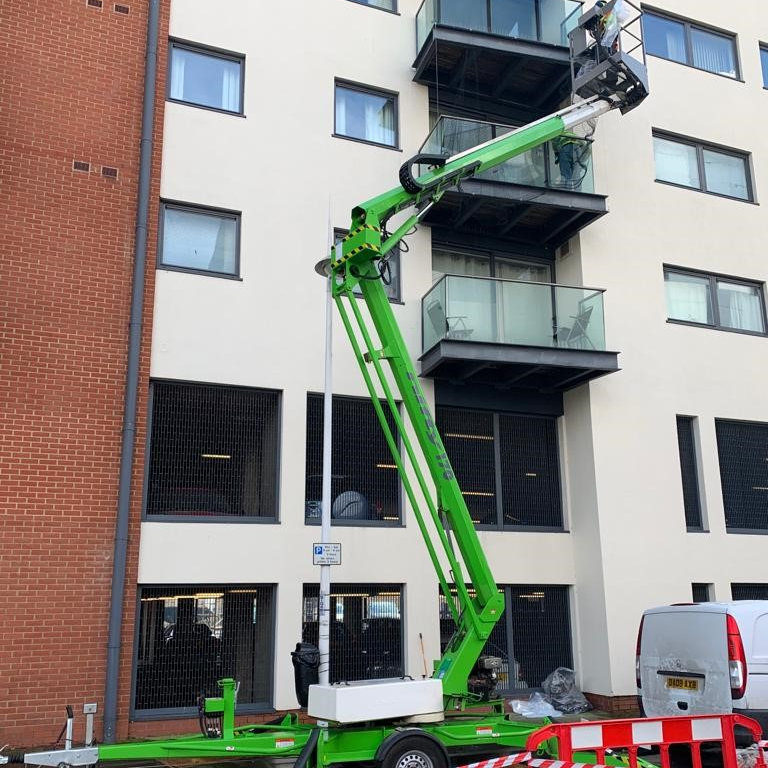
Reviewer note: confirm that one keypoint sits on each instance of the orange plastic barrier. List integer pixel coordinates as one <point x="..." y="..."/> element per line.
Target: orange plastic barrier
<point x="600" y="736"/>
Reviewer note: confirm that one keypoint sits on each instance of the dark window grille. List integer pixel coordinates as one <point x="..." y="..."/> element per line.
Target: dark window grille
<point x="742" y="449"/>
<point x="366" y="633"/>
<point x="365" y="485"/>
<point x="470" y="442"/>
<point x="749" y="591"/>
<point x="507" y="466"/>
<point x="533" y="637"/>
<point x="700" y="593"/>
<point x="530" y="472"/>
<point x="687" y="447"/>
<point x="214" y="451"/>
<point x="191" y="636"/>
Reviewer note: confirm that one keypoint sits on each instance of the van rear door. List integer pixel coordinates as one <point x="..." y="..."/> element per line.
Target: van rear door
<point x="684" y="661"/>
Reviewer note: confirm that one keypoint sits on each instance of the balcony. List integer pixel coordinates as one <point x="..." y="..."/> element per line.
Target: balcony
<point x="507" y="58"/>
<point x="531" y="199"/>
<point x="509" y="333"/>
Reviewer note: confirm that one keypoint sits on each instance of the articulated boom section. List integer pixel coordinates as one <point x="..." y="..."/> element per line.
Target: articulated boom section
<point x="438" y="506"/>
<point x="362" y="262"/>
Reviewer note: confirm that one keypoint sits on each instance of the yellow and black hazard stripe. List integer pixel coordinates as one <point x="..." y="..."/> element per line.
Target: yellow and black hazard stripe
<point x="355" y="251"/>
<point x="361" y="228"/>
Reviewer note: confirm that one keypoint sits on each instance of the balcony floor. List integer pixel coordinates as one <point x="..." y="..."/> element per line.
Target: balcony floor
<point x="507" y="365"/>
<point x="493" y="73"/>
<point x="532" y="215"/>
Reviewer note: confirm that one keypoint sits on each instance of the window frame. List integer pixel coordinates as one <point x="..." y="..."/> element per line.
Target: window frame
<point x="352" y="523"/>
<point x="311" y="590"/>
<point x="714" y="278"/>
<point x="763" y="52"/>
<point x="371" y="90"/>
<point x="499" y="525"/>
<point x="339" y="233"/>
<point x="493" y="255"/>
<point x="688" y="25"/>
<point x="732" y="529"/>
<point x="691" y="423"/>
<point x="212" y="52"/>
<point x="701" y="147"/>
<point x="165" y="713"/>
<point x="703" y="586"/>
<point x="205" y="210"/>
<point x="393" y="9"/>
<point x="512" y="619"/>
<point x="209" y="519"/>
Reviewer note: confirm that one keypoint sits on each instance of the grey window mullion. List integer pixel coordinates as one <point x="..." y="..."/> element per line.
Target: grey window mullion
<point x="537" y="12"/>
<point x="702" y="170"/>
<point x="497" y="470"/>
<point x="688" y="44"/>
<point x="715" y="304"/>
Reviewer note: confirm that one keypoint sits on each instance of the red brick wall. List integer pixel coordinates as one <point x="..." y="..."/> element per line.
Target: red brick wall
<point x="619" y="706"/>
<point x="71" y="90"/>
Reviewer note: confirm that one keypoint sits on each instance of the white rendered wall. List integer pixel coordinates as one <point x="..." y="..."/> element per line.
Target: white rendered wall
<point x="626" y="548"/>
<point x="667" y="369"/>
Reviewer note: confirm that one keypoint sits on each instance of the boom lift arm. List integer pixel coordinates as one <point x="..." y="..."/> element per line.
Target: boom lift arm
<point x="361" y="263"/>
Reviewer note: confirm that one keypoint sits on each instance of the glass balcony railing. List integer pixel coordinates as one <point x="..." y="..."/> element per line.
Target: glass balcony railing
<point x="545" y="21"/>
<point x="557" y="164"/>
<point x="484" y="309"/>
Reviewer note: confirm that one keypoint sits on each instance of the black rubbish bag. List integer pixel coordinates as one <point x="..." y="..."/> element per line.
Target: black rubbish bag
<point x="306" y="662"/>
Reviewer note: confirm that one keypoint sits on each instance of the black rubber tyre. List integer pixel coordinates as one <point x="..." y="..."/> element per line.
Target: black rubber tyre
<point x="415" y="752"/>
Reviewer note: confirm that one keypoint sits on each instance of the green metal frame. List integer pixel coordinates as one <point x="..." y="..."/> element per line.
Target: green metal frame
<point x="364" y="247"/>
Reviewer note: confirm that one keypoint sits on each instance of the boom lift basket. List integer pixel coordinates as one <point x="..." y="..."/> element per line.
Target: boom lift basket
<point x="604" y="50"/>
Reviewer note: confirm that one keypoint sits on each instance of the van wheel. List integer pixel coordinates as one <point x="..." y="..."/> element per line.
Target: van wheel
<point x="414" y="752"/>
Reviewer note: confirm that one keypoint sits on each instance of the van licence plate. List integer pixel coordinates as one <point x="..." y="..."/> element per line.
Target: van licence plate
<point x="683" y="683"/>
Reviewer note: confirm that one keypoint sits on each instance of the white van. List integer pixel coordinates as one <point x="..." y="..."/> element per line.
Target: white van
<point x="705" y="658"/>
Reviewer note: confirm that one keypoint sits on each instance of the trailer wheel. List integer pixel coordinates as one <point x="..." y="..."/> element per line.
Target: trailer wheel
<point x="414" y="752"/>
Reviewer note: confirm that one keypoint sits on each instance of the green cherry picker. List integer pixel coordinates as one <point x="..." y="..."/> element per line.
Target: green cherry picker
<point x="406" y="723"/>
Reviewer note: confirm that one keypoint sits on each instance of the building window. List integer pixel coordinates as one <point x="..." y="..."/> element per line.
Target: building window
<point x="701" y="593"/>
<point x="366" y="634"/>
<point x="689" y="43"/>
<point x="366" y="114"/>
<point x="764" y="64"/>
<point x="200" y="240"/>
<point x="206" y="78"/>
<point x="742" y="447"/>
<point x="191" y="636"/>
<point x="686" y="443"/>
<point x="213" y="452"/>
<point x="384" y="5"/>
<point x="719" y="302"/>
<point x="365" y="484"/>
<point x="454" y="261"/>
<point x="689" y="163"/>
<point x="749" y="591"/>
<point x="533" y="637"/>
<point x="391" y="273"/>
<point x="507" y="466"/>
